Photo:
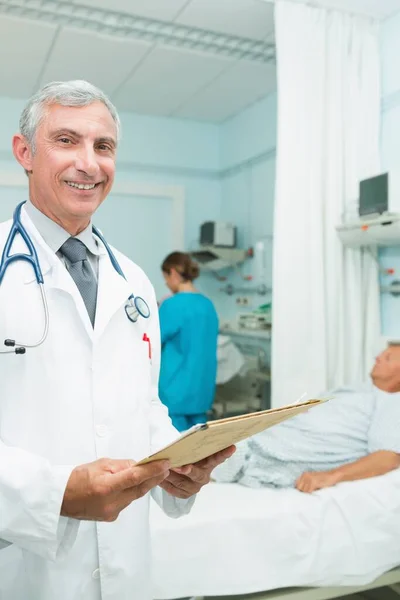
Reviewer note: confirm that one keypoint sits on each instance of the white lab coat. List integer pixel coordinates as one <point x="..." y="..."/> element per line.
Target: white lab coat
<point x="82" y="395"/>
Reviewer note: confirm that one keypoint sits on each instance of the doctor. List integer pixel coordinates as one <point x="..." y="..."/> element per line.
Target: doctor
<point x="77" y="411"/>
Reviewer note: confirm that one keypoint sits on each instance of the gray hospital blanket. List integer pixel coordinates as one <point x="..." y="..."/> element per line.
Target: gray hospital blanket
<point x="353" y="424"/>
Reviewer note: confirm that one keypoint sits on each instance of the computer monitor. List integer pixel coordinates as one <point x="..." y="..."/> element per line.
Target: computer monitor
<point x="374" y="195"/>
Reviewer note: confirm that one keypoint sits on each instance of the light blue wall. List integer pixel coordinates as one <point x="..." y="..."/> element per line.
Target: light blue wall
<point x="248" y="143"/>
<point x="249" y="134"/>
<point x="390" y="257"/>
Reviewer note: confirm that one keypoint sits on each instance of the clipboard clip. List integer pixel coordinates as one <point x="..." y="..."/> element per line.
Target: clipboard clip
<point x="301" y="399"/>
<point x="193" y="429"/>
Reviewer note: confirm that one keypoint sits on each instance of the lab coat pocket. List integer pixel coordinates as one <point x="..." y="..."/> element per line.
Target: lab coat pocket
<point x="147" y="345"/>
<point x="144" y="363"/>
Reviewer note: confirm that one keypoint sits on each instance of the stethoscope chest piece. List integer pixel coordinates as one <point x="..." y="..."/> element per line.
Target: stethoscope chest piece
<point x="136" y="307"/>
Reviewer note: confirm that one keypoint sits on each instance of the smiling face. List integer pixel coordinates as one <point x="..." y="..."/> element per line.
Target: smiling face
<point x="72" y="169"/>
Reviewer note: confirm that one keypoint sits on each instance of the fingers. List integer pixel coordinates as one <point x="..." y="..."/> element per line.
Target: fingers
<point x="138" y="491"/>
<point x="311" y="482"/>
<point x="136" y="475"/>
<point x="216" y="459"/>
<point x="111" y="510"/>
<point x="191" y="478"/>
<point x="220" y="457"/>
<point x="228" y="452"/>
<point x="183" y="490"/>
<point x="186" y="481"/>
<point x="306" y="483"/>
<point x="196" y="475"/>
<point x="101" y="489"/>
<point x="115" y="466"/>
<point x="184" y="470"/>
<point x="305" y="488"/>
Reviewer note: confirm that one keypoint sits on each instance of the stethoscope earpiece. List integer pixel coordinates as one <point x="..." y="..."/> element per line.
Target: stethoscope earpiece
<point x="11" y="344"/>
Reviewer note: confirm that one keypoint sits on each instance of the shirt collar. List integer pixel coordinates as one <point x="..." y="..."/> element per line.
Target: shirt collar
<point x="54" y="235"/>
<point x="382" y="394"/>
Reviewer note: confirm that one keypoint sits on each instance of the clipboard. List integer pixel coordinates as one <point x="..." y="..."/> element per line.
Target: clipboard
<point x="206" y="439"/>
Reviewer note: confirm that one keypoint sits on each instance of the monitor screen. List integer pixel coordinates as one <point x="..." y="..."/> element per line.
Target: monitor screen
<point x="374" y="195"/>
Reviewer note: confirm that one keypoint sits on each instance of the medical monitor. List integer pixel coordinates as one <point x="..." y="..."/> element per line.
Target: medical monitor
<point x="374" y="195"/>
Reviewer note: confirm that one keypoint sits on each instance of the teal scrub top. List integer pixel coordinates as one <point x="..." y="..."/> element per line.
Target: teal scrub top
<point x="189" y="333"/>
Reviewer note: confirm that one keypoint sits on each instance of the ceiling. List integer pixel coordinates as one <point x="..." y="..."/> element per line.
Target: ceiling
<point x="195" y="59"/>
<point x="379" y="9"/>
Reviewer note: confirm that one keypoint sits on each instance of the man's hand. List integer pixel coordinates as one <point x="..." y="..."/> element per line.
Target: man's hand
<point x="373" y="465"/>
<point x="100" y="490"/>
<point x="310" y="482"/>
<point x="186" y="481"/>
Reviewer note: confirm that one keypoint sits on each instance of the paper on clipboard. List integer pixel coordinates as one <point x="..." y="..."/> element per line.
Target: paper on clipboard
<point x="207" y="439"/>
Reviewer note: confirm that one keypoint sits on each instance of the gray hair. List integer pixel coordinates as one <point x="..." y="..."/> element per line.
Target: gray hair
<point x="65" y="93"/>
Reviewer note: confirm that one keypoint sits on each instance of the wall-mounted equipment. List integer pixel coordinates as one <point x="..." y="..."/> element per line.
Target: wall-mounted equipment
<point x="381" y="231"/>
<point x="254" y="321"/>
<point x="261" y="289"/>
<point x="213" y="258"/>
<point x="221" y="235"/>
<point x="392" y="288"/>
<point x="374" y="225"/>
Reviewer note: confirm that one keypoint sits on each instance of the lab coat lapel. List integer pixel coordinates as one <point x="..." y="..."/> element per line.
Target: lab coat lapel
<point x="112" y="293"/>
<point x="55" y="274"/>
<point x="58" y="278"/>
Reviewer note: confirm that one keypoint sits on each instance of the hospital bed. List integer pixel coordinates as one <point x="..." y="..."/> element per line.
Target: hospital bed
<point x="280" y="544"/>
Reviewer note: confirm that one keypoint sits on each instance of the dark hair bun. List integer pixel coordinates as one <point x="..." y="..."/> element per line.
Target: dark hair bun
<point x="183" y="263"/>
<point x="193" y="271"/>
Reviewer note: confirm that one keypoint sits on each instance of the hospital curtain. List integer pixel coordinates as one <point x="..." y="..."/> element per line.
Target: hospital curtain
<point x="325" y="298"/>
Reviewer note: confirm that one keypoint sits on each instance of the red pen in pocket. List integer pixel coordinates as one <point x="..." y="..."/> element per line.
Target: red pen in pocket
<point x="147" y="339"/>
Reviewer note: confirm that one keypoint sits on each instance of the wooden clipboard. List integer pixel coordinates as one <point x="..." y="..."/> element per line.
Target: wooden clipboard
<point x="204" y="440"/>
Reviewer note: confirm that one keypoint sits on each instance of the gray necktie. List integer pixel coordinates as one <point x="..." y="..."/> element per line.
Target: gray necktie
<point x="81" y="272"/>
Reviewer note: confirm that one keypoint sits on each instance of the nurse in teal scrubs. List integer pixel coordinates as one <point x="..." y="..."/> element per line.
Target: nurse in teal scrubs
<point x="189" y="332"/>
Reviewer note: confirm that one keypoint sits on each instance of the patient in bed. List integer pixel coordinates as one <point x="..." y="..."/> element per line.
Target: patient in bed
<point x="355" y="435"/>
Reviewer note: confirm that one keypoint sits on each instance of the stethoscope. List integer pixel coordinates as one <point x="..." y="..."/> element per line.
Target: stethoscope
<point x="135" y="306"/>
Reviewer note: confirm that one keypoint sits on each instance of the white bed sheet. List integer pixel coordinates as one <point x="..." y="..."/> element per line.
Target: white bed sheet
<point x="238" y="540"/>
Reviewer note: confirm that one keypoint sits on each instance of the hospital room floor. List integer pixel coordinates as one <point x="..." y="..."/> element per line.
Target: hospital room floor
<point x="384" y="593"/>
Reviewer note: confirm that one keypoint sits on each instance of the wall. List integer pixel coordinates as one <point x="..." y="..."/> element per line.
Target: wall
<point x="175" y="152"/>
<point x="390" y="257"/>
<point x="248" y="143"/>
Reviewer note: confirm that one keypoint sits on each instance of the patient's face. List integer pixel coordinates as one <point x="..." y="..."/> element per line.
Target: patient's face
<point x="386" y="372"/>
